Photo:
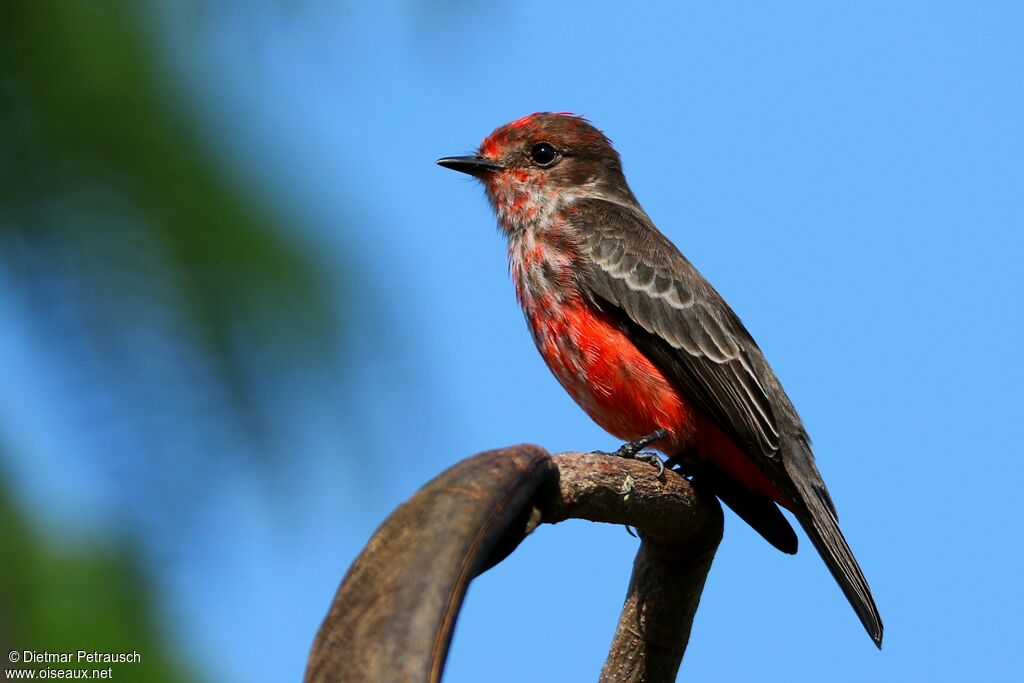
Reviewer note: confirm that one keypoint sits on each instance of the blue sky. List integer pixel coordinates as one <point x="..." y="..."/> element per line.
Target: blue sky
<point x="850" y="179"/>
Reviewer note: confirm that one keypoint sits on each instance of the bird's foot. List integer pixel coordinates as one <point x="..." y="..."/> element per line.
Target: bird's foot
<point x="634" y="450"/>
<point x="631" y="449"/>
<point x="653" y="458"/>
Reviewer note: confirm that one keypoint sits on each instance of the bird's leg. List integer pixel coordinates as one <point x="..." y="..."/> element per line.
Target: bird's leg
<point x="634" y="450"/>
<point x="631" y="449"/>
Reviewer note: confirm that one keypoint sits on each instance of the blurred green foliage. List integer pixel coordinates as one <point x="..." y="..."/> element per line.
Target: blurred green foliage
<point x="107" y="188"/>
<point x="92" y="598"/>
<point x="84" y="103"/>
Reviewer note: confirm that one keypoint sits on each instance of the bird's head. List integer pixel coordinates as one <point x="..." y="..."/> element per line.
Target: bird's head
<point x="542" y="162"/>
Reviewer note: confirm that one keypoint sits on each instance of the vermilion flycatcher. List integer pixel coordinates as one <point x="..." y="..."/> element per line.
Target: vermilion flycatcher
<point x="644" y="343"/>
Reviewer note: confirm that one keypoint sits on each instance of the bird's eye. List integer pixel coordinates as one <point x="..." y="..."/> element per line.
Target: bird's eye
<point x="543" y="154"/>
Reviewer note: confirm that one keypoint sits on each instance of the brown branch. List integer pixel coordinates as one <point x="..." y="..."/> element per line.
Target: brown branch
<point x="392" y="617"/>
<point x="654" y="627"/>
<point x="680" y="527"/>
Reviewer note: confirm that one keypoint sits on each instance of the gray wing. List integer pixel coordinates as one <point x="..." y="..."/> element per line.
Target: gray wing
<point x="683" y="324"/>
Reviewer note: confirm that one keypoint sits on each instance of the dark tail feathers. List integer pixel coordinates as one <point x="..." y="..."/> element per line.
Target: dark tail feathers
<point x="819" y="521"/>
<point x="761" y="513"/>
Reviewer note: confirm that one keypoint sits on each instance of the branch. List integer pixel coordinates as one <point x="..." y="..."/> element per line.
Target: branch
<point x="392" y="617"/>
<point x="680" y="528"/>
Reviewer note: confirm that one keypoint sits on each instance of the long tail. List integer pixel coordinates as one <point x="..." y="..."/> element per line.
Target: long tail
<point x="818" y="518"/>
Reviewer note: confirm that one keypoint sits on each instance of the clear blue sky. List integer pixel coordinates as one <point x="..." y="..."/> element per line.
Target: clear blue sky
<point x="851" y="180"/>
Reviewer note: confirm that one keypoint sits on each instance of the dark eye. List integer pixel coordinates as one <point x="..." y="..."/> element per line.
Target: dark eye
<point x="543" y="154"/>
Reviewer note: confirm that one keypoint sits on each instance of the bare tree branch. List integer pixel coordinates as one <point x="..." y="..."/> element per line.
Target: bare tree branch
<point x="392" y="617"/>
<point x="654" y="627"/>
<point x="680" y="527"/>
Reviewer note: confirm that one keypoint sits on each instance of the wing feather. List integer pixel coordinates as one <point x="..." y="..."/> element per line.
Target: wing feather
<point x="638" y="271"/>
<point x="683" y="324"/>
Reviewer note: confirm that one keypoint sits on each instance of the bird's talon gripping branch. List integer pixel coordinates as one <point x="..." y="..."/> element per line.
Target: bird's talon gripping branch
<point x="631" y="449"/>
<point x="654" y="459"/>
<point x="634" y="450"/>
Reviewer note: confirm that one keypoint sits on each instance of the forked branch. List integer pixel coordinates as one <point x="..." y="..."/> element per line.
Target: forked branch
<point x="392" y="617"/>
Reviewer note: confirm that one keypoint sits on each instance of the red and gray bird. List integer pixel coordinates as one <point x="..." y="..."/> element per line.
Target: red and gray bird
<point x="643" y="343"/>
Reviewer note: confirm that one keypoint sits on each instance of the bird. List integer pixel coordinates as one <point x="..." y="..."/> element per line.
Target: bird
<point x="642" y="341"/>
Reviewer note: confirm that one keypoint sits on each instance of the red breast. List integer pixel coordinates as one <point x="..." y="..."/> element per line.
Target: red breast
<point x="625" y="393"/>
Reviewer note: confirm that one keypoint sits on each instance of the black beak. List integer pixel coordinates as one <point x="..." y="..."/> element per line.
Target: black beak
<point x="474" y="165"/>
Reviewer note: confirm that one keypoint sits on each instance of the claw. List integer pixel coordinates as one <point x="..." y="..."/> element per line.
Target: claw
<point x="654" y="459"/>
<point x="630" y="449"/>
<point x="633" y="450"/>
